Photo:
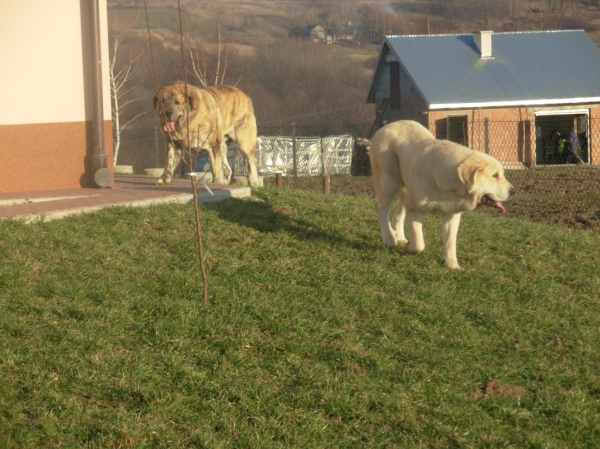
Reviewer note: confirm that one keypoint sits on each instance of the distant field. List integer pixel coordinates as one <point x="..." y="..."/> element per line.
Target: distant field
<point x="158" y="19"/>
<point x="243" y="22"/>
<point x="358" y="52"/>
<point x="122" y="19"/>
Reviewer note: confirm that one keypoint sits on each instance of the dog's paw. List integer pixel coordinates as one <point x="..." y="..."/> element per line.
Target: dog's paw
<point x="454" y="266"/>
<point x="254" y="182"/>
<point x="162" y="181"/>
<point x="414" y="249"/>
<point x="389" y="242"/>
<point x="221" y="181"/>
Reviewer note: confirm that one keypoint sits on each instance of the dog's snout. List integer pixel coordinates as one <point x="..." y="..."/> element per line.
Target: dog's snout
<point x="170" y="113"/>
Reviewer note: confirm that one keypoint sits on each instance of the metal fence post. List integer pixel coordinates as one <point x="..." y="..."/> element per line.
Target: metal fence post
<point x="326" y="179"/>
<point x="529" y="150"/>
<point x="294" y="156"/>
<point x="323" y="167"/>
<point x="156" y="143"/>
<point x="486" y="135"/>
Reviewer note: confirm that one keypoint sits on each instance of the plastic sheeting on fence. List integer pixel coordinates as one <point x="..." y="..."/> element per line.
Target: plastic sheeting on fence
<point x="299" y="156"/>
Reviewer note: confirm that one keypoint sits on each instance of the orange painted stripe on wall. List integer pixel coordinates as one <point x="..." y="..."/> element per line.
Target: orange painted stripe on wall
<point x="46" y="156"/>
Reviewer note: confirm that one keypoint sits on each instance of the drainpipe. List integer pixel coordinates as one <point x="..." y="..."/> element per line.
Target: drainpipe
<point x="97" y="160"/>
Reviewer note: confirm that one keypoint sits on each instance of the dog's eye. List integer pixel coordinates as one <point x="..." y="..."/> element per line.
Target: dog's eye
<point x="496" y="175"/>
<point x="177" y="102"/>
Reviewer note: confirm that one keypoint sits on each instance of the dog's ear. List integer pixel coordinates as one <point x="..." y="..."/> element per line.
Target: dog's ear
<point x="193" y="100"/>
<point x="155" y="101"/>
<point x="470" y="174"/>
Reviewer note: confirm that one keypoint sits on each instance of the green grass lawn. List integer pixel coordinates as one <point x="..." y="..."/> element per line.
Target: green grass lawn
<point x="315" y="335"/>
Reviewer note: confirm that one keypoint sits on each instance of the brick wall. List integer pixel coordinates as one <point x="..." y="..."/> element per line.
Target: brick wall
<point x="509" y="134"/>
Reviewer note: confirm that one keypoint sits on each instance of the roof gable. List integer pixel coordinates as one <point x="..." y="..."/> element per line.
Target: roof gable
<point x="526" y="68"/>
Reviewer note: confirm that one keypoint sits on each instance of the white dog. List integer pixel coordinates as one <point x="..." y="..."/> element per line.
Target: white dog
<point x="430" y="175"/>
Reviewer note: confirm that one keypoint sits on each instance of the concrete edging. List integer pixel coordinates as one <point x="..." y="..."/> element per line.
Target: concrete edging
<point x="188" y="198"/>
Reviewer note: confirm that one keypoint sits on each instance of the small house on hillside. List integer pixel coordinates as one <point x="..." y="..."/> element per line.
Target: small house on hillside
<point x="316" y="33"/>
<point x="54" y="85"/>
<point x="507" y="94"/>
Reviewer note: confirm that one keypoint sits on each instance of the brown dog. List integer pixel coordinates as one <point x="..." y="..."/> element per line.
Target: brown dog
<point x="430" y="175"/>
<point x="207" y="119"/>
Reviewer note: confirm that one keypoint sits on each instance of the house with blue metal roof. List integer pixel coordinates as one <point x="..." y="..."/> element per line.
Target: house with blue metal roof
<point x="508" y="93"/>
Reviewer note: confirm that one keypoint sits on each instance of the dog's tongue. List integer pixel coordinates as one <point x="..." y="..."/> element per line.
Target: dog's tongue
<point x="489" y="202"/>
<point x="498" y="205"/>
<point x="169" y="126"/>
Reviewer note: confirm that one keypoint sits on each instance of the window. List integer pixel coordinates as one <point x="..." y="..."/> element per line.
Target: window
<point x="457" y="130"/>
<point x="453" y="128"/>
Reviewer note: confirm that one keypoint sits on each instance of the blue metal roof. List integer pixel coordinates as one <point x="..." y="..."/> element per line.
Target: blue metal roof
<point x="526" y="68"/>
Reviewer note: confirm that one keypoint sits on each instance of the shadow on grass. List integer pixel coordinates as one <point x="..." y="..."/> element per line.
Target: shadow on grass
<point x="261" y="215"/>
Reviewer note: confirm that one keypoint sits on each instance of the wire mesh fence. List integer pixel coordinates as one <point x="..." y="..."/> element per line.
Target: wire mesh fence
<point x="553" y="161"/>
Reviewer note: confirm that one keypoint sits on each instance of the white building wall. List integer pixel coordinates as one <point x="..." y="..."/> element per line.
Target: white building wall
<point x="45" y="58"/>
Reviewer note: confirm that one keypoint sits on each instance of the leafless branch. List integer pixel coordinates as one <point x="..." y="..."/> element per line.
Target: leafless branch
<point x="121" y="83"/>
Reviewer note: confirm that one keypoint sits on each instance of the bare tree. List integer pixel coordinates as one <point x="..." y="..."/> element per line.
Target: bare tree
<point x="186" y="153"/>
<point x="122" y="82"/>
<point x="542" y="15"/>
<point x="220" y="61"/>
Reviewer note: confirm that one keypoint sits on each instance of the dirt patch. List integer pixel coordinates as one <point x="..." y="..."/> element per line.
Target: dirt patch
<point x="495" y="389"/>
<point x="565" y="197"/>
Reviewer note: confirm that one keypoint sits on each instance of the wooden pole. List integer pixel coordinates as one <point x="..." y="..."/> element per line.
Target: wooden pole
<point x="326" y="183"/>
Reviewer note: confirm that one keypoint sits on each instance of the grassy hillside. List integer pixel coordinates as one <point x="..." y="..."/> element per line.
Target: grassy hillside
<point x="259" y="20"/>
<point x="246" y="24"/>
<point x="260" y="23"/>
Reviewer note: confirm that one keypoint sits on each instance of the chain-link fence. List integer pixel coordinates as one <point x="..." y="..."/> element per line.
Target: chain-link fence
<point x="553" y="161"/>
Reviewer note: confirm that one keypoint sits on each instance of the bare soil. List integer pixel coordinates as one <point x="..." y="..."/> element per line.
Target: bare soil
<point x="566" y="196"/>
<point x="495" y="389"/>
